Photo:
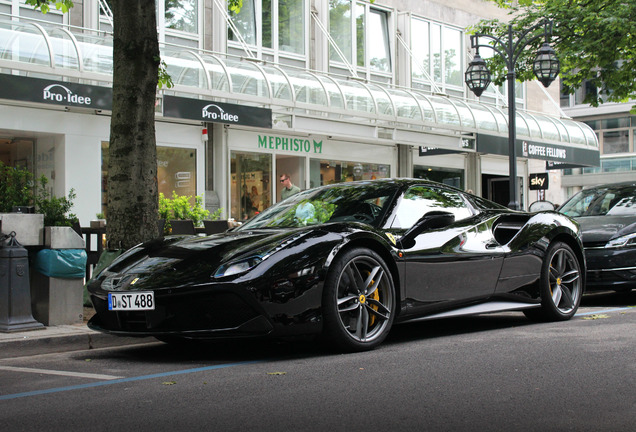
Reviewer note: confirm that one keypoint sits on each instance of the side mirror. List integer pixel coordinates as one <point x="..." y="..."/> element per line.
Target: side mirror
<point x="431" y="220"/>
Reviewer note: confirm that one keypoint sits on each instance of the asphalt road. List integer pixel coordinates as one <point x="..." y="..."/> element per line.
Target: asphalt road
<point x="488" y="373"/>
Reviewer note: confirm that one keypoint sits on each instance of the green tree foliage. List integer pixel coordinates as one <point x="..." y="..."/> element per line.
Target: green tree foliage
<point x="45" y="5"/>
<point x="595" y="40"/>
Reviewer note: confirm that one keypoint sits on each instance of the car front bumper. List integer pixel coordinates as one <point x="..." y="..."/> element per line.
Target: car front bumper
<point x="612" y="269"/>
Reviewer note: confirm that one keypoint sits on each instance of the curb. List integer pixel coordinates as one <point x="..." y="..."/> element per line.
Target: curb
<point x="25" y="345"/>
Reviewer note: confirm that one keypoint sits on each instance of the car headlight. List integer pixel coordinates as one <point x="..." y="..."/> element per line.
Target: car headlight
<point x="242" y="265"/>
<point x="626" y="240"/>
<point x="237" y="267"/>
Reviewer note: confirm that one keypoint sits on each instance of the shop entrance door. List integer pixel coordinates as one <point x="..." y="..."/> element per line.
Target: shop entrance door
<point x="294" y="167"/>
<point x="497" y="188"/>
<point x="250" y="184"/>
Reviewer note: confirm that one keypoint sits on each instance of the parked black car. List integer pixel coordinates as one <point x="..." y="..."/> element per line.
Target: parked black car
<point x="607" y="216"/>
<point x="347" y="260"/>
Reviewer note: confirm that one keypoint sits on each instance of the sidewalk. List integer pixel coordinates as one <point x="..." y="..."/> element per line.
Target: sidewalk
<point x="60" y="338"/>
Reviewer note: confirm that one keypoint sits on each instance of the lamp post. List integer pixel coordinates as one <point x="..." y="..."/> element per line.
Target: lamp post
<point x="545" y="67"/>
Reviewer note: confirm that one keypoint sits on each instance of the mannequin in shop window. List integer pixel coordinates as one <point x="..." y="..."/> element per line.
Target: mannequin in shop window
<point x="288" y="188"/>
<point x="255" y="199"/>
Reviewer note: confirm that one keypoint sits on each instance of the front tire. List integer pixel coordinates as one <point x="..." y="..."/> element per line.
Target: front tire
<point x="561" y="285"/>
<point x="358" y="301"/>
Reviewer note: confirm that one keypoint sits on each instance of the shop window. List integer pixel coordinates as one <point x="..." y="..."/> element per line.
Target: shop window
<point x="361" y="33"/>
<point x="176" y="172"/>
<point x="281" y="23"/>
<point x="18" y="153"/>
<point x="447" y="176"/>
<point x="251" y="174"/>
<point x="324" y="172"/>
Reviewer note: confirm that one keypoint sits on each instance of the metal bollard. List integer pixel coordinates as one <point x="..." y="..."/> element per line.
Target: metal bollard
<point x="15" y="291"/>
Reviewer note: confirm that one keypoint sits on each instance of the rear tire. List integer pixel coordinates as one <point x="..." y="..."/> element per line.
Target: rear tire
<point x="561" y="285"/>
<point x="358" y="301"/>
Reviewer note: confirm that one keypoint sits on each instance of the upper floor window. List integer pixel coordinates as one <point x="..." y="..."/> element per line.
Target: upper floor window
<point x="182" y="15"/>
<point x="615" y="134"/>
<point x="361" y="36"/>
<point x="275" y="24"/>
<point x="437" y="54"/>
<point x="19" y="8"/>
<point x="177" y="20"/>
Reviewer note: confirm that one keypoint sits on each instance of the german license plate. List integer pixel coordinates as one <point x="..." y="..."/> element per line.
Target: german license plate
<point x="131" y="301"/>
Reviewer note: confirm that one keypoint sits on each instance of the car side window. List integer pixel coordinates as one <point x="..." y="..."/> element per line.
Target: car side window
<point x="419" y="200"/>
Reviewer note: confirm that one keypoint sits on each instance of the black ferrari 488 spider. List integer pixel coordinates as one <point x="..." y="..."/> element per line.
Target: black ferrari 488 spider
<point x="348" y="261"/>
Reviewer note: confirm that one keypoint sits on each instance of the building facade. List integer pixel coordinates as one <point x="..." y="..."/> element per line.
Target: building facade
<point x="322" y="90"/>
<point x="615" y="126"/>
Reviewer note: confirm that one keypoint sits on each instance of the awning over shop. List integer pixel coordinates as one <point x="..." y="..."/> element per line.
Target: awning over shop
<point x="41" y="50"/>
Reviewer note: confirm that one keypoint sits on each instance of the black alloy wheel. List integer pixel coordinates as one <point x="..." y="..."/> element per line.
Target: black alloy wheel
<point x="358" y="301"/>
<point x="561" y="285"/>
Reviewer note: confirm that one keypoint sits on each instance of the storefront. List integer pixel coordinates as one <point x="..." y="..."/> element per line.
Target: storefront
<point x="257" y="159"/>
<point x="61" y="130"/>
<point x="229" y="128"/>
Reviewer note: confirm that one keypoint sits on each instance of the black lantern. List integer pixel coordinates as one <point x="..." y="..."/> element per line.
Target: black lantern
<point x="477" y="76"/>
<point x="546" y="65"/>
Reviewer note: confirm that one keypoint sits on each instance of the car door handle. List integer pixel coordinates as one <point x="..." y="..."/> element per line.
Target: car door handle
<point x="492" y="245"/>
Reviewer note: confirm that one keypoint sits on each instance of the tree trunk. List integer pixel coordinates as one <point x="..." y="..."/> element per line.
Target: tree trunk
<point x="132" y="168"/>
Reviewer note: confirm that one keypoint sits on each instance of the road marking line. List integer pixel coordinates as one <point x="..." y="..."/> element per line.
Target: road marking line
<point x="63" y="373"/>
<point x="124" y="380"/>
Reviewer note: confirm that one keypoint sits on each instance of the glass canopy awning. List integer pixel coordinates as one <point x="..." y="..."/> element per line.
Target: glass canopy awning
<point x="39" y="50"/>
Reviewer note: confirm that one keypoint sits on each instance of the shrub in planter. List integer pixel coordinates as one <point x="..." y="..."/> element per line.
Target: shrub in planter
<point x="181" y="207"/>
<point x="57" y="211"/>
<point x="16" y="188"/>
<point x="19" y="188"/>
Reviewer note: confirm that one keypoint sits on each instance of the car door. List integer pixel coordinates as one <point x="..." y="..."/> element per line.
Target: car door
<point x="457" y="263"/>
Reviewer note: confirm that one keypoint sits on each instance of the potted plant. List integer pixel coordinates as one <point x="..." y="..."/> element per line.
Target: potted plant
<point x="182" y="207"/>
<point x="16" y="192"/>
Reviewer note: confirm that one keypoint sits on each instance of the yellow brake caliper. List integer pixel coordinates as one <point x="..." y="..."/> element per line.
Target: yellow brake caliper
<point x="374" y="296"/>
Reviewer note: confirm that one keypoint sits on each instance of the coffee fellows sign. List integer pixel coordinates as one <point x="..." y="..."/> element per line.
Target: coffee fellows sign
<point x="567" y="156"/>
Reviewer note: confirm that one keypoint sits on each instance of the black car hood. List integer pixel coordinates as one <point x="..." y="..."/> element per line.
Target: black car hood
<point x="192" y="255"/>
<point x="191" y="260"/>
<point x="600" y="229"/>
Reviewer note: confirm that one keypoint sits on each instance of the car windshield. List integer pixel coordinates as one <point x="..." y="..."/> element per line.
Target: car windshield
<point x="608" y="201"/>
<point x="357" y="202"/>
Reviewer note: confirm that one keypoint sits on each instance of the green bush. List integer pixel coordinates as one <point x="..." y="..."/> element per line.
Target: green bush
<point x="57" y="211"/>
<point x="16" y="188"/>
<point x="19" y="188"/>
<point x="180" y="207"/>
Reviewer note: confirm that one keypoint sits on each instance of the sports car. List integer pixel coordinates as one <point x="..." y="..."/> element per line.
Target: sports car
<point x="607" y="216"/>
<point x="346" y="261"/>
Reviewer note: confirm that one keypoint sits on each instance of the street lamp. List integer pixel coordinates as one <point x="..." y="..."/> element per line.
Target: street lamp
<point x="545" y="67"/>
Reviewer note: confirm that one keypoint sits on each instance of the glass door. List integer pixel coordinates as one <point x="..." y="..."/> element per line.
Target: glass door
<point x="250" y="189"/>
